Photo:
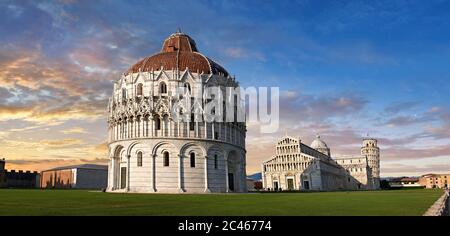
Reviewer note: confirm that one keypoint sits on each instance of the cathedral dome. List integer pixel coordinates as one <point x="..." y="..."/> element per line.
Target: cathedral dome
<point x="179" y="51"/>
<point x="319" y="143"/>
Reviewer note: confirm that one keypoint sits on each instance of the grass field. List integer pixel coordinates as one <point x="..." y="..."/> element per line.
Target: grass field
<point x="82" y="202"/>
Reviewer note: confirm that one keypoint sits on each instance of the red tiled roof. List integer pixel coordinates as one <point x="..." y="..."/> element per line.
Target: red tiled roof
<point x="180" y="52"/>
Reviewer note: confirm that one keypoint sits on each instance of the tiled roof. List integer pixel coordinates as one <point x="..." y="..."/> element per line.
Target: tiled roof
<point x="180" y="52"/>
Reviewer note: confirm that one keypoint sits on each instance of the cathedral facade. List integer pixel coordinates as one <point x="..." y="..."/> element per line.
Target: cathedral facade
<point x="160" y="138"/>
<point x="297" y="166"/>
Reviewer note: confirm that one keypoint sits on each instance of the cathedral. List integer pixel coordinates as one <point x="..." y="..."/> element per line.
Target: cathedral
<point x="151" y="149"/>
<point x="297" y="166"/>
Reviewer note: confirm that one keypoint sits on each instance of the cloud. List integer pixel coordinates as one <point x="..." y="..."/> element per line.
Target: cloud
<point x="43" y="115"/>
<point x="241" y="53"/>
<point x="397" y="107"/>
<point x="303" y="116"/>
<point x="74" y="130"/>
<point x="406" y="153"/>
<point x="319" y="108"/>
<point x="406" y="120"/>
<point x="398" y="169"/>
<point x="45" y="164"/>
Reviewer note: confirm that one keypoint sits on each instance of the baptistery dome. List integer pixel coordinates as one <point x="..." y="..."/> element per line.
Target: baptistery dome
<point x="151" y="149"/>
<point x="179" y="51"/>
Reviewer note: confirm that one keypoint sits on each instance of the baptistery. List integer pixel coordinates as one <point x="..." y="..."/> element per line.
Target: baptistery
<point x="169" y="125"/>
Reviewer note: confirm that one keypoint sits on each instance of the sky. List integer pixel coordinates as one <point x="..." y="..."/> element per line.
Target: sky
<point x="345" y="69"/>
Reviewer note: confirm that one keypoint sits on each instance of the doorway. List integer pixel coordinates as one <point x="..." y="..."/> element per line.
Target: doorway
<point x="275" y="185"/>
<point x="231" y="181"/>
<point x="123" y="177"/>
<point x="290" y="184"/>
<point x="306" y="185"/>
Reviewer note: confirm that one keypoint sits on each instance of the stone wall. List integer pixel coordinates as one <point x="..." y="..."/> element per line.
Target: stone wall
<point x="91" y="178"/>
<point x="440" y="207"/>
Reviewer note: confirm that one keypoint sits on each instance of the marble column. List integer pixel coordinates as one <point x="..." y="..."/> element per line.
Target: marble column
<point x="263" y="177"/>
<point x="227" y="189"/>
<point x="207" y="190"/>
<point x="111" y="173"/>
<point x="180" y="173"/>
<point x="169" y="121"/>
<point x="154" y="172"/>
<point x="128" y="172"/>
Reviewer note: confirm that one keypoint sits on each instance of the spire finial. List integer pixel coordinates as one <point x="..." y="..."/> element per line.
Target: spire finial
<point x="179" y="30"/>
<point x="318" y="135"/>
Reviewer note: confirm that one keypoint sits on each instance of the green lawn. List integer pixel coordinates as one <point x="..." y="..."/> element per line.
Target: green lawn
<point x="81" y="202"/>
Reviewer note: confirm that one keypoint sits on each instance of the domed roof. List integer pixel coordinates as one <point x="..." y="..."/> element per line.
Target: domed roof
<point x="179" y="51"/>
<point x="319" y="143"/>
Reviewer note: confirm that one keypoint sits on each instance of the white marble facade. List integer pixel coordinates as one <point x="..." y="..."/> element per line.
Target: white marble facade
<point x="151" y="151"/>
<point x="297" y="166"/>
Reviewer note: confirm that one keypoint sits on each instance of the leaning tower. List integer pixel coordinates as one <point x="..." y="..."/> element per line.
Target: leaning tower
<point x="371" y="150"/>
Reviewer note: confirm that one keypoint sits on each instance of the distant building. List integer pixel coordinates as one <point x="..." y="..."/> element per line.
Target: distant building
<point x="2" y="173"/>
<point x="254" y="185"/>
<point x="435" y="180"/>
<point x="86" y="176"/>
<point x="404" y="182"/>
<point x="17" y="179"/>
<point x="297" y="166"/>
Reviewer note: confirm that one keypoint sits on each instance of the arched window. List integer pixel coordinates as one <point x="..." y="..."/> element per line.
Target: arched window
<point x="162" y="87"/>
<point x="158" y="123"/>
<point x="192" y="122"/>
<point x="166" y="158"/>
<point x="192" y="159"/>
<point x="139" y="91"/>
<point x="215" y="161"/>
<point x="139" y="159"/>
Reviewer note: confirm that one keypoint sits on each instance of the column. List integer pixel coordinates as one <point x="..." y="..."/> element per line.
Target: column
<point x="188" y="126"/>
<point x="263" y="177"/>
<point x="170" y="126"/>
<point x="206" y="130"/>
<point x="133" y="124"/>
<point x="180" y="177"/>
<point x="154" y="172"/>
<point x="112" y="173"/>
<point x="196" y="130"/>
<point x="114" y="131"/>
<point x="225" y="131"/>
<point x="152" y="126"/>
<point x="142" y="126"/>
<point x="128" y="172"/>
<point x="118" y="131"/>
<point x="126" y="131"/>
<point x="207" y="190"/>
<point x="213" y="130"/>
<point x="220" y="130"/>
<point x="226" y="175"/>
<point x="136" y="127"/>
